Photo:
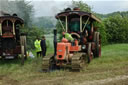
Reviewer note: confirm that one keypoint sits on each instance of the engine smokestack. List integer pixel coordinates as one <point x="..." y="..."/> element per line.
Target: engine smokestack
<point x="76" y="9"/>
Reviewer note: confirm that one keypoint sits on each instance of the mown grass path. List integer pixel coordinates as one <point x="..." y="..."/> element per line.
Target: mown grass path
<point x="112" y="64"/>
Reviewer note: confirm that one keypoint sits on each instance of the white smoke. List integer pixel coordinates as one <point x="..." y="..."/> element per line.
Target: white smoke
<point x="8" y="6"/>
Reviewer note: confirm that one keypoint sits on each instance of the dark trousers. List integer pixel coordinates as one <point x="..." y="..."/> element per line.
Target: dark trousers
<point x="44" y="52"/>
<point x="39" y="54"/>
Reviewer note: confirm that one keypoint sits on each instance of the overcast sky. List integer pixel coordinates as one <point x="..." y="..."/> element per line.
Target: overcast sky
<point x="52" y="7"/>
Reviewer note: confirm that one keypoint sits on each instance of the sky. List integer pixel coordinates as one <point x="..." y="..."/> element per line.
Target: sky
<point x="52" y="7"/>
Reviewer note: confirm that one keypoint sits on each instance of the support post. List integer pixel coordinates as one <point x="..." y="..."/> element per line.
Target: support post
<point x="66" y="19"/>
<point x="0" y="29"/>
<point x="80" y="23"/>
<point x="13" y="28"/>
<point x="86" y="23"/>
<point x="92" y="28"/>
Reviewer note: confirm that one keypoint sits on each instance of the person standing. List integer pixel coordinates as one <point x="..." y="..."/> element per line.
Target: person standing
<point x="43" y="46"/>
<point x="38" y="47"/>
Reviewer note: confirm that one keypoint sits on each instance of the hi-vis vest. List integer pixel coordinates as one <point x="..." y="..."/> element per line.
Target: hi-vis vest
<point x="37" y="45"/>
<point x="68" y="37"/>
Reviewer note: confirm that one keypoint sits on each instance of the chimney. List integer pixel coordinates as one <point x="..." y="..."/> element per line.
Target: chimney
<point x="76" y="9"/>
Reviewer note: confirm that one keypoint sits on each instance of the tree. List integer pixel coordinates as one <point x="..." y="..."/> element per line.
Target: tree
<point x="82" y="5"/>
<point x="44" y="22"/>
<point x="21" y="7"/>
<point x="32" y="34"/>
<point x="24" y="10"/>
<point x="117" y="29"/>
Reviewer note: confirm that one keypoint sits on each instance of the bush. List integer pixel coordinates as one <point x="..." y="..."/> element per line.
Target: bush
<point x="32" y="34"/>
<point x="116" y="29"/>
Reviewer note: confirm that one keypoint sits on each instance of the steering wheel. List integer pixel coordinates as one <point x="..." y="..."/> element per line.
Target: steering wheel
<point x="76" y="36"/>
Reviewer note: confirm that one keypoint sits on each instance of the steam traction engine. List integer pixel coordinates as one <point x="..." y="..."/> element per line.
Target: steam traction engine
<point x="12" y="43"/>
<point x="86" y="45"/>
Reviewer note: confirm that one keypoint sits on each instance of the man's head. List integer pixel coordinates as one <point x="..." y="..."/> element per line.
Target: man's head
<point x="43" y="37"/>
<point x="63" y="33"/>
<point x="37" y="38"/>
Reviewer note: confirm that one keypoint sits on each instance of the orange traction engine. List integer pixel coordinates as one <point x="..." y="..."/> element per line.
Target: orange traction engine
<point x="65" y="50"/>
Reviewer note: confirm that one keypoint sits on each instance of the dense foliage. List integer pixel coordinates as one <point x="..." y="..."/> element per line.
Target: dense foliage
<point x="117" y="29"/>
<point x="44" y="22"/>
<point x="83" y="6"/>
<point x="47" y="24"/>
<point x="32" y="33"/>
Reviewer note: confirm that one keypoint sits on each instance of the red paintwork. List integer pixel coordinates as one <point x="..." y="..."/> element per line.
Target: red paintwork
<point x="62" y="50"/>
<point x="10" y="52"/>
<point x="7" y="35"/>
<point x="64" y="40"/>
<point x="17" y="50"/>
<point x="74" y="48"/>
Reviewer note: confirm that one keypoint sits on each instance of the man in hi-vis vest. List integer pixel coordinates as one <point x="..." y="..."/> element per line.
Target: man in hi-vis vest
<point x="38" y="47"/>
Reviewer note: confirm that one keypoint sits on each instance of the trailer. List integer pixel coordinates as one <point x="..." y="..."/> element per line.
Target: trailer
<point x="12" y="41"/>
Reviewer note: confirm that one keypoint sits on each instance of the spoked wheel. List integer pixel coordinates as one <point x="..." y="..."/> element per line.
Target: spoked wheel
<point x="97" y="40"/>
<point x="23" y="49"/>
<point x="99" y="47"/>
<point x="89" y="53"/>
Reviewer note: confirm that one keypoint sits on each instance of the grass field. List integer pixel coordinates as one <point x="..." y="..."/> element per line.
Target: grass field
<point x="112" y="64"/>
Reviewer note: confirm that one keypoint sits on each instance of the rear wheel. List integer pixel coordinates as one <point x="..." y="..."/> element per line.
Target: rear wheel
<point x="89" y="53"/>
<point x="97" y="40"/>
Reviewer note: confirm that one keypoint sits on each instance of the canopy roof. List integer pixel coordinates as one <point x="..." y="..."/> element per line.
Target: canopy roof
<point x="11" y="18"/>
<point x="62" y="15"/>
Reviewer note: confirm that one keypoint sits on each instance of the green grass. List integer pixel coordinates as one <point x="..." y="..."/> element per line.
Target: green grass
<point x="50" y="50"/>
<point x="13" y="68"/>
<point x="113" y="62"/>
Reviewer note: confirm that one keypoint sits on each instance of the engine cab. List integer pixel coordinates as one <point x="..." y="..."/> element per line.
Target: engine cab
<point x="10" y="26"/>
